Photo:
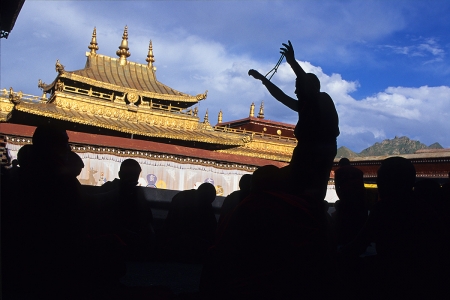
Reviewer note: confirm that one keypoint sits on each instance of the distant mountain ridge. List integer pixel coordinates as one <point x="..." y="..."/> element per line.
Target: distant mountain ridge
<point x="395" y="146"/>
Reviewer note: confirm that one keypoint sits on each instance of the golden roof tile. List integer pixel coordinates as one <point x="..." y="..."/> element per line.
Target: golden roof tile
<point x="243" y="151"/>
<point x="129" y="122"/>
<point x="106" y="72"/>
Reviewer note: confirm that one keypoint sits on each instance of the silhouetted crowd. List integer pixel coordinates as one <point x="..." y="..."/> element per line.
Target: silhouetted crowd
<point x="274" y="238"/>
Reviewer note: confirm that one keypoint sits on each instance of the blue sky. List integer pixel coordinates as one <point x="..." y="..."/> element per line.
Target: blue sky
<point x="384" y="63"/>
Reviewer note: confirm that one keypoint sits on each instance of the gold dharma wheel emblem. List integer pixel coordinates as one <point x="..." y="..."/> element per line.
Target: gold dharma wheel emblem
<point x="132" y="97"/>
<point x="279" y="132"/>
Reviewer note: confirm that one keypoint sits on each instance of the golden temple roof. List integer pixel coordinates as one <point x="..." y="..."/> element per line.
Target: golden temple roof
<point x="151" y="121"/>
<point x="159" y="125"/>
<point x="121" y="96"/>
<point x="121" y="75"/>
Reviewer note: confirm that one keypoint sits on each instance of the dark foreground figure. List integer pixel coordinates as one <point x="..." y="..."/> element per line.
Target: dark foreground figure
<point x="273" y="246"/>
<point x="411" y="244"/>
<point x="123" y="210"/>
<point x="46" y="251"/>
<point x="316" y="130"/>
<point x="190" y="225"/>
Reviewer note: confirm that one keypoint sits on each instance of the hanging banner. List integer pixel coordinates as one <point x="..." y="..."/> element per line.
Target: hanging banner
<point x="100" y="168"/>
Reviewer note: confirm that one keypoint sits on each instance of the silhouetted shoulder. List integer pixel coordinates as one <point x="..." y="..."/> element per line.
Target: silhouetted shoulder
<point x="329" y="116"/>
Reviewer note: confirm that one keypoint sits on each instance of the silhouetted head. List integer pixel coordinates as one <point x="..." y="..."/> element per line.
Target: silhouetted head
<point x="349" y="183"/>
<point x="265" y="178"/>
<point x="245" y="183"/>
<point x="129" y="171"/>
<point x="344" y="162"/>
<point x="206" y="193"/>
<point x="396" y="176"/>
<point x="308" y="86"/>
<point x="15" y="163"/>
<point x="51" y="139"/>
<point x="74" y="164"/>
<point x="25" y="156"/>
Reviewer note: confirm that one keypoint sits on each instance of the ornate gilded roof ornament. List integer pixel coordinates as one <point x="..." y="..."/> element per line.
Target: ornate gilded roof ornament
<point x="150" y="57"/>
<point x="123" y="52"/>
<point x="202" y="96"/>
<point x="59" y="86"/>
<point x="206" y="120"/>
<point x="196" y="111"/>
<point x="252" y="110"/>
<point x="205" y="124"/>
<point x="15" y="97"/>
<point x="219" y="119"/>
<point x="261" y="111"/>
<point x="41" y="84"/>
<point x="93" y="46"/>
<point x="59" y="67"/>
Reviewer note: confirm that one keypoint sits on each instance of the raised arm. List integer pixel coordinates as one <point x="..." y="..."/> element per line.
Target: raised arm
<point x="288" y="52"/>
<point x="275" y="91"/>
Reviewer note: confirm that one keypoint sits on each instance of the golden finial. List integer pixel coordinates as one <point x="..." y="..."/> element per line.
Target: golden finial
<point x="150" y="57"/>
<point x="205" y="120"/>
<point x="123" y="52"/>
<point x="252" y="110"/>
<point x="261" y="111"/>
<point x="93" y="45"/>
<point x="219" y="119"/>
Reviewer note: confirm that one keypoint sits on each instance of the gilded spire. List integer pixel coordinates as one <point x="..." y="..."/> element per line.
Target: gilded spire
<point x="93" y="46"/>
<point x="252" y="110"/>
<point x="150" y="57"/>
<point x="123" y="52"/>
<point x="219" y="119"/>
<point x="261" y="111"/>
<point x="206" y="120"/>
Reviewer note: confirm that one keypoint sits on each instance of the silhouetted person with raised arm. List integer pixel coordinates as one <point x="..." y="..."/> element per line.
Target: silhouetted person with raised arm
<point x="316" y="129"/>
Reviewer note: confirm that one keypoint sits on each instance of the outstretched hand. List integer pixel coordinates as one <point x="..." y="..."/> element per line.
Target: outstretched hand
<point x="255" y="74"/>
<point x="288" y="52"/>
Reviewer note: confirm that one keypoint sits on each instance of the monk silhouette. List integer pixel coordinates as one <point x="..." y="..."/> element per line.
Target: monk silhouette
<point x="316" y="129"/>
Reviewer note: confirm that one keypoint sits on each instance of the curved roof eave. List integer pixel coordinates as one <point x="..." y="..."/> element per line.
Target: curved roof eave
<point x="204" y="136"/>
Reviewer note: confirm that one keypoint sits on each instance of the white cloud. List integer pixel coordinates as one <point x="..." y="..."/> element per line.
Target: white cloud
<point x="428" y="48"/>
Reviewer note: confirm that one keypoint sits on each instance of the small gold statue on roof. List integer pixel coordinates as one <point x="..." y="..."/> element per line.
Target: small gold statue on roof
<point x="59" y="86"/>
